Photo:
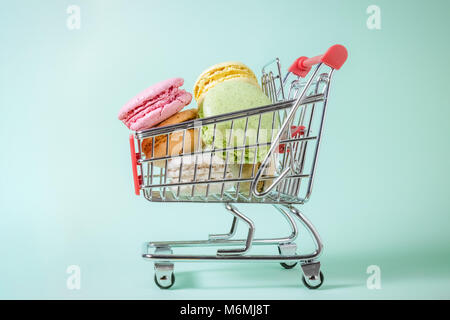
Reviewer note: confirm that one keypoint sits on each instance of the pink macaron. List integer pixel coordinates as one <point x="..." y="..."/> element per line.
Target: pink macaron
<point x="155" y="104"/>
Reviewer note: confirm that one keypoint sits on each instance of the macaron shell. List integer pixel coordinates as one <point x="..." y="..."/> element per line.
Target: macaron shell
<point x="221" y="72"/>
<point x="233" y="95"/>
<point x="156" y="116"/>
<point x="149" y="94"/>
<point x="179" y="117"/>
<point x="158" y="102"/>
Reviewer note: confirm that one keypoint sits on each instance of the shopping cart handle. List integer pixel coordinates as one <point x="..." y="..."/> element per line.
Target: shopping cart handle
<point x="134" y="158"/>
<point x="334" y="58"/>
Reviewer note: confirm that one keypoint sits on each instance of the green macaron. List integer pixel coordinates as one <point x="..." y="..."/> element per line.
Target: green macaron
<point x="235" y="95"/>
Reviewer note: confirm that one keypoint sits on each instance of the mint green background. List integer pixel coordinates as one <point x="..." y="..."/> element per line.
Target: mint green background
<point x="382" y="191"/>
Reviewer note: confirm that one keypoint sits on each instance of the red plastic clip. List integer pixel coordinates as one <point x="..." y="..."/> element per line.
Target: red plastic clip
<point x="296" y="131"/>
<point x="134" y="159"/>
<point x="334" y="58"/>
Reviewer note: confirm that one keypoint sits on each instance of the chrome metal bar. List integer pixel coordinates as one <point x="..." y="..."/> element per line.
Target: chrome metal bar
<point x="281" y="80"/>
<point x="251" y="231"/>
<point x="292" y="224"/>
<point x="234" y="148"/>
<point x="211" y="159"/>
<point x="150" y="179"/>
<point x="240" y="180"/>
<point x="225" y="236"/>
<point x="181" y="163"/>
<point x="226" y="258"/>
<point x="166" y="162"/>
<point x="214" y="243"/>
<point x="311" y="229"/>
<point x="242" y="154"/>
<point x="273" y="93"/>
<point x="196" y="160"/>
<point x="226" y="160"/>
<point x="231" y="198"/>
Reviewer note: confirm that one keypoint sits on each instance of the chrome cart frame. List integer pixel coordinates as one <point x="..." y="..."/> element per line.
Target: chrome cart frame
<point x="283" y="164"/>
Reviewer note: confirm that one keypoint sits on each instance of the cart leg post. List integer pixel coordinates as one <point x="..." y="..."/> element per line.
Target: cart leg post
<point x="228" y="235"/>
<point x="288" y="248"/>
<point x="312" y="276"/>
<point x="292" y="224"/>
<point x="251" y="231"/>
<point x="312" y="230"/>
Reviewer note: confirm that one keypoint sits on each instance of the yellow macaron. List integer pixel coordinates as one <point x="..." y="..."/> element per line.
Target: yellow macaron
<point x="219" y="73"/>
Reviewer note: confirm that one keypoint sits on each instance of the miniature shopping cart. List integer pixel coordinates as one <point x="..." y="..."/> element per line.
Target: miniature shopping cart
<point x="284" y="177"/>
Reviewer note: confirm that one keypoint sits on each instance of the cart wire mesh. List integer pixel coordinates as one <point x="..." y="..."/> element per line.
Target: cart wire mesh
<point x="265" y="154"/>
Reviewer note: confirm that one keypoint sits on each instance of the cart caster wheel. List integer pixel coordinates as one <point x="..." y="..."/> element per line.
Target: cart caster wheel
<point x="166" y="286"/>
<point x="286" y="265"/>
<point x="313" y="283"/>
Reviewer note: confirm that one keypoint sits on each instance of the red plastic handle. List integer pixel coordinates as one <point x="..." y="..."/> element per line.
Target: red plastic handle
<point x="134" y="158"/>
<point x="334" y="58"/>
